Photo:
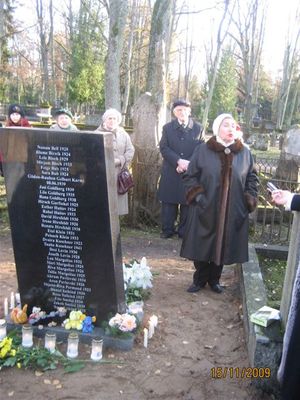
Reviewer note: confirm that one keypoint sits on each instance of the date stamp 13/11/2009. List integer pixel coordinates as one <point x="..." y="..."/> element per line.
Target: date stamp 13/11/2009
<point x="239" y="372"/>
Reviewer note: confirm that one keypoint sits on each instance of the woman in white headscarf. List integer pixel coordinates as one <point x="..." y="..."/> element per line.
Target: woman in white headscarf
<point x="221" y="189"/>
<point x="123" y="149"/>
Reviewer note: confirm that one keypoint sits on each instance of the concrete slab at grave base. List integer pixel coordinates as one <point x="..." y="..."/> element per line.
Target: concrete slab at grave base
<point x="264" y="344"/>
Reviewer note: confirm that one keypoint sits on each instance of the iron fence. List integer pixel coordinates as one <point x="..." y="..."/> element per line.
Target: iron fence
<point x="269" y="224"/>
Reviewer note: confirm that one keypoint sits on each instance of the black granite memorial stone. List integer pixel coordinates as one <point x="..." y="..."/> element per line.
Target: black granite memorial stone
<point x="62" y="204"/>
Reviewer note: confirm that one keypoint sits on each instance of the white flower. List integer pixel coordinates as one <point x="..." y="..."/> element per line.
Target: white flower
<point x="138" y="275"/>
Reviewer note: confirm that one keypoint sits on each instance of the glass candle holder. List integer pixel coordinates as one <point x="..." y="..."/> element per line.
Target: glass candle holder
<point x="72" y="350"/>
<point x="97" y="344"/>
<point x="27" y="335"/>
<point x="50" y="341"/>
<point x="2" y="329"/>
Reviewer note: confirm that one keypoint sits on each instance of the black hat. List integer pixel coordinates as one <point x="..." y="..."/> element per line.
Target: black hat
<point x="181" y="102"/>
<point x="16" y="108"/>
<point x="63" y="111"/>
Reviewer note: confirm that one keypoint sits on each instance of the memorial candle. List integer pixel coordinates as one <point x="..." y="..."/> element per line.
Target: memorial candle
<point x="145" y="337"/>
<point x="72" y="351"/>
<point x="12" y="300"/>
<point x="2" y="329"/>
<point x="18" y="299"/>
<point x="27" y="335"/>
<point x="96" y="354"/>
<point x="50" y="341"/>
<point x="150" y="329"/>
<point x="5" y="306"/>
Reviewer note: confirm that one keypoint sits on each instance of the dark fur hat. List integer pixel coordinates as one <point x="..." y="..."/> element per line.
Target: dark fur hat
<point x="16" y="108"/>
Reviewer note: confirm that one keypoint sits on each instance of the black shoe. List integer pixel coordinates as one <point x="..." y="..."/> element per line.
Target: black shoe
<point x="166" y="235"/>
<point x="194" y="288"/>
<point x="216" y="288"/>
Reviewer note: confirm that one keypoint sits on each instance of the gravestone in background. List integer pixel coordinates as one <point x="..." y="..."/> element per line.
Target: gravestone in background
<point x="62" y="204"/>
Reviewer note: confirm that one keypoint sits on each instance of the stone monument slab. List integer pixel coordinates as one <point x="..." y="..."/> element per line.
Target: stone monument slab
<point x="62" y="205"/>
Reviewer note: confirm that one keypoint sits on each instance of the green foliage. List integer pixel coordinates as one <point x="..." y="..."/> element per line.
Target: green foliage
<point x="36" y="358"/>
<point x="273" y="272"/>
<point x="225" y="93"/>
<point x="87" y="66"/>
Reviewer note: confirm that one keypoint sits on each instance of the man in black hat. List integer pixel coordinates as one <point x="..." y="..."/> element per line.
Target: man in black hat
<point x="179" y="139"/>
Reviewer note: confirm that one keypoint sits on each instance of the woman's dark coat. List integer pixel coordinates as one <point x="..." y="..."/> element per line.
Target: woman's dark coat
<point x="221" y="190"/>
<point x="176" y="142"/>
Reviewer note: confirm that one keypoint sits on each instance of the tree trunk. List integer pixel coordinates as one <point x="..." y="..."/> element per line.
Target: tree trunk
<point x="44" y="47"/>
<point x="127" y="79"/>
<point x="118" y="10"/>
<point x="149" y="115"/>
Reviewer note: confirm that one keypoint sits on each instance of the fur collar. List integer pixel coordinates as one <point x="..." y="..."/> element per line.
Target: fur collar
<point x="213" y="145"/>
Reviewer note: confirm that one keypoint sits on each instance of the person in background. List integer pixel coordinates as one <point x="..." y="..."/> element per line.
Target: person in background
<point x="289" y="369"/>
<point x="63" y="119"/>
<point x="122" y="146"/>
<point x="16" y="117"/>
<point x="221" y="190"/>
<point x="179" y="139"/>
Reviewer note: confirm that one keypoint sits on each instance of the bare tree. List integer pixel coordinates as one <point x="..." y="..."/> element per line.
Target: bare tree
<point x="289" y="64"/>
<point x="117" y="12"/>
<point x="46" y="43"/>
<point x="250" y="25"/>
<point x="213" y="73"/>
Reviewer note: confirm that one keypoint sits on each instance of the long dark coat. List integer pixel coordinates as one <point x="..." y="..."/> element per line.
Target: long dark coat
<point x="221" y="191"/>
<point x="176" y="142"/>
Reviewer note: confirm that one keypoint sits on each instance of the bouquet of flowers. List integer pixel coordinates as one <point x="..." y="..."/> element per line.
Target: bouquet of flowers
<point x="121" y="325"/>
<point x="137" y="280"/>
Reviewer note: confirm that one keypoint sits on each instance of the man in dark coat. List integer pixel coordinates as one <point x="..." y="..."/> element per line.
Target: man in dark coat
<point x="289" y="369"/>
<point x="179" y="139"/>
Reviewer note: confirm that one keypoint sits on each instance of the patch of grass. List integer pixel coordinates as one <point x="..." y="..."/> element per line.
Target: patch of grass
<point x="272" y="153"/>
<point x="273" y="271"/>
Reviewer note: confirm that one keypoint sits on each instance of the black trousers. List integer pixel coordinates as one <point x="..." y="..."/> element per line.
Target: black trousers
<point x="207" y="272"/>
<point x="169" y="212"/>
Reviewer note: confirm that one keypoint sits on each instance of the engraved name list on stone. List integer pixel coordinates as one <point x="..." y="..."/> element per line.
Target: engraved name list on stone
<point x="57" y="200"/>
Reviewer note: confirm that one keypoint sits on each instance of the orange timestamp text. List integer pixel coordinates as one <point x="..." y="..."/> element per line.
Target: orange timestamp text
<point x="239" y="372"/>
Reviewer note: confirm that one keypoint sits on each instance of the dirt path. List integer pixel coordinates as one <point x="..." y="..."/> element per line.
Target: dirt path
<point x="196" y="333"/>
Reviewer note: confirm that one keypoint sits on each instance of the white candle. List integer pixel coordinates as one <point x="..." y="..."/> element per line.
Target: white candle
<point x="2" y="329"/>
<point x="5" y="306"/>
<point x="154" y="320"/>
<point x="18" y="299"/>
<point x="145" y="337"/>
<point x="151" y="329"/>
<point x="12" y="300"/>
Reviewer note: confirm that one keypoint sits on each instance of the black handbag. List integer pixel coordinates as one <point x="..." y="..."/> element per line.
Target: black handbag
<point x="125" y="181"/>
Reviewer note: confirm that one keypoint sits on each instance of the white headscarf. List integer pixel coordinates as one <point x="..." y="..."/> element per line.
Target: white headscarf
<point x="114" y="112"/>
<point x="218" y="121"/>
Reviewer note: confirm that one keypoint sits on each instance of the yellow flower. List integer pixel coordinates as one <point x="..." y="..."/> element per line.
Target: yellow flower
<point x="5" y="346"/>
<point x="13" y="352"/>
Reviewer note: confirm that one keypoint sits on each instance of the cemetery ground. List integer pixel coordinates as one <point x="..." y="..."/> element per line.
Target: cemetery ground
<point x="196" y="333"/>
